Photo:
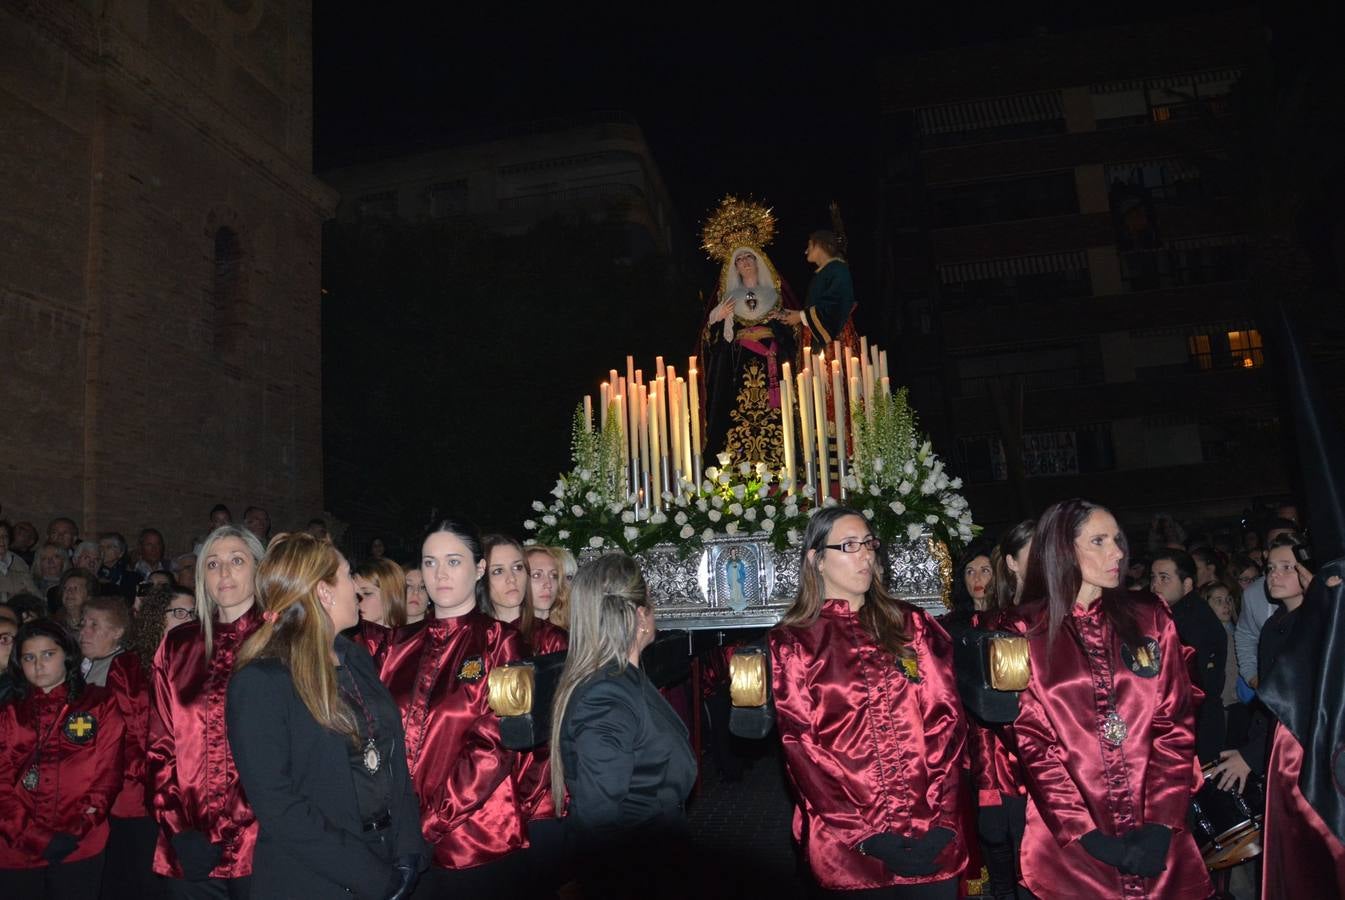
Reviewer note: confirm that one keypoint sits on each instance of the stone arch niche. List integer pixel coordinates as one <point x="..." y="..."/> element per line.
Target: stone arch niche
<point x="228" y="292"/>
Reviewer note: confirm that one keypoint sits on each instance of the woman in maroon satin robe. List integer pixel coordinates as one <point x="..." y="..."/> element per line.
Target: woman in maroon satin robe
<point x="471" y="814"/>
<point x="1105" y="730"/>
<point x="1001" y="797"/>
<point x="207" y="830"/>
<point x="509" y="589"/>
<point x="871" y="724"/>
<point x="60" y="771"/>
<point x="380" y="585"/>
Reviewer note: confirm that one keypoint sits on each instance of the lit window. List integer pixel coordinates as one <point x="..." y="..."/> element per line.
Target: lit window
<point x="1245" y="348"/>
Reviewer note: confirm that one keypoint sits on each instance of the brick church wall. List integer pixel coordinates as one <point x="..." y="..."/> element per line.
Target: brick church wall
<point x="141" y="382"/>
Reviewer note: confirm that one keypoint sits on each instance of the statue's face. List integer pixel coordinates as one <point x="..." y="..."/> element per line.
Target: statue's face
<point x="747" y="268"/>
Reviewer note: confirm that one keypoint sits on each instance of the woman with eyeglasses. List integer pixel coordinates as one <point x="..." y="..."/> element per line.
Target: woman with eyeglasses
<point x="871" y="724"/>
<point x="207" y="830"/>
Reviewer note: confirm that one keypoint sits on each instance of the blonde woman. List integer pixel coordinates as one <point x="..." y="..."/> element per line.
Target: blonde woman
<point x="380" y="590"/>
<point x="617" y="747"/>
<point x="318" y="740"/>
<point x="207" y="831"/>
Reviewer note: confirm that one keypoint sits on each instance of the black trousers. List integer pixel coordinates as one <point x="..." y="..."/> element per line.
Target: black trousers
<point x="934" y="890"/>
<point x="210" y="888"/>
<point x="503" y="879"/>
<point x="128" y="872"/>
<point x="62" y="881"/>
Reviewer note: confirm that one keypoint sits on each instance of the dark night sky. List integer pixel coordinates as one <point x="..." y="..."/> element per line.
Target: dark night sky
<point x="782" y="106"/>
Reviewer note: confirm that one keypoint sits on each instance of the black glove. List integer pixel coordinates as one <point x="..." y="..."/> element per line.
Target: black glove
<point x="1146" y="850"/>
<point x="1104" y="847"/>
<point x="405" y="873"/>
<point x="195" y="854"/>
<point x="908" y="857"/>
<point x="60" y="846"/>
<point x="992" y="824"/>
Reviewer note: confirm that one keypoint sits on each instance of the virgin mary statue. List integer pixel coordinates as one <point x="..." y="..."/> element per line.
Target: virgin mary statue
<point x="743" y="345"/>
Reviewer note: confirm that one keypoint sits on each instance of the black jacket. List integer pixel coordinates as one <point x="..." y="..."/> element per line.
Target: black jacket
<point x="628" y="764"/>
<point x="1200" y="629"/>
<point x="298" y="777"/>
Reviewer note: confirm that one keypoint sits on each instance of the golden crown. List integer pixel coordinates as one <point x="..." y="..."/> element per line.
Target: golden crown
<point x="737" y="223"/>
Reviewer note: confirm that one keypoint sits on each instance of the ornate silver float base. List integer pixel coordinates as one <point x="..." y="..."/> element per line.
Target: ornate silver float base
<point x="743" y="582"/>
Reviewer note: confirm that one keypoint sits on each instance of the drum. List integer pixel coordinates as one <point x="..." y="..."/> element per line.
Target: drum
<point x="1227" y="826"/>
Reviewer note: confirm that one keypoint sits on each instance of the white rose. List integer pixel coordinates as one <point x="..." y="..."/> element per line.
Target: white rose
<point x="767" y="525"/>
<point x="628" y="516"/>
<point x="708" y="534"/>
<point x="932" y="519"/>
<point x="717" y="502"/>
<point x="909" y="468"/>
<point x="530" y="525"/>
<point x="548" y="520"/>
<point x="739" y="491"/>
<point x="712" y="473"/>
<point x="723" y="478"/>
<point x="595" y="541"/>
<point x="630" y="532"/>
<point x="715" y="515"/>
<point x="585" y="474"/>
<point x="537" y="506"/>
<point x="559" y="490"/>
<point x="577" y="510"/>
<point x="702" y="505"/>
<point x="868" y="514"/>
<point x="680" y="518"/>
<point x="875" y="490"/>
<point x="686" y="532"/>
<point x="897" y="507"/>
<point x="793" y="536"/>
<point x="735" y="509"/>
<point x="955" y="484"/>
<point x="731" y="528"/>
<point x="808" y="490"/>
<point x="904" y="488"/>
<point x="563" y="535"/>
<point x="750" y="515"/>
<point x="914" y="530"/>
<point x="763" y="492"/>
<point x="614" y="507"/>
<point x="761" y="470"/>
<point x="707" y="486"/>
<point x="658" y="518"/>
<point x="927" y="487"/>
<point x="941" y="482"/>
<point x="745" y="468"/>
<point x="769" y="510"/>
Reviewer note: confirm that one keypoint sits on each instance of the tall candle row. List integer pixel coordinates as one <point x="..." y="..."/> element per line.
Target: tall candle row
<point x="660" y="428"/>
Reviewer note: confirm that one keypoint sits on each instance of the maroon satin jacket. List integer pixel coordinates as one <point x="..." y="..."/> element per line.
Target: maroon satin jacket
<point x="469" y="803"/>
<point x="533" y="772"/>
<point x="79" y="772"/>
<point x="871" y="744"/>
<point x="1078" y="780"/>
<point x="994" y="764"/>
<point x="376" y="639"/>
<point x="191" y="769"/>
<point x="127" y="682"/>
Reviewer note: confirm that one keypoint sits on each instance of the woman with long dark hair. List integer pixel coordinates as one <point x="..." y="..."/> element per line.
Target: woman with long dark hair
<point x="1001" y="798"/>
<point x="318" y="740"/>
<point x="871" y="723"/>
<point x="618" y="748"/>
<point x="1105" y="731"/>
<point x="60" y="770"/>
<point x="508" y="595"/>
<point x="207" y="831"/>
<point x="471" y="815"/>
